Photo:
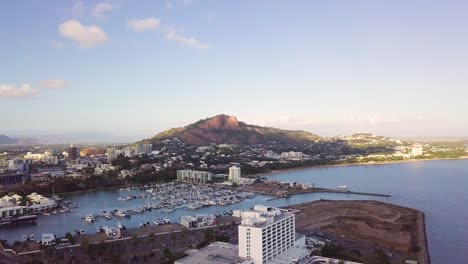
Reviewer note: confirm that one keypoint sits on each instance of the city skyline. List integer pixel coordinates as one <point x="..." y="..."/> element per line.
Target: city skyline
<point x="133" y="70"/>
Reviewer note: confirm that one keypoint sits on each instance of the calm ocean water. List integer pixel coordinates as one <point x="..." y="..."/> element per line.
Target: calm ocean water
<point x="438" y="188"/>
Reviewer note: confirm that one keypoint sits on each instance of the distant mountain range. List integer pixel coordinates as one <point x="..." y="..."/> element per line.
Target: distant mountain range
<point x="225" y="129"/>
<point x="6" y="140"/>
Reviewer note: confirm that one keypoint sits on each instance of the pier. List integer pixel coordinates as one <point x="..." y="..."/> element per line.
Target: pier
<point x="281" y="191"/>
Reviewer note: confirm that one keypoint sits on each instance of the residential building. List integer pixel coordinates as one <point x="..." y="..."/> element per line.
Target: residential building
<point x="235" y="176"/>
<point x="292" y="155"/>
<point x="144" y="148"/>
<point x="111" y="154"/>
<point x="13" y="178"/>
<point x="48" y="239"/>
<point x="192" y="176"/>
<point x="8" y="207"/>
<point x="265" y="233"/>
<point x="18" y="165"/>
<point x="416" y="150"/>
<point x="197" y="221"/>
<point x="215" y="253"/>
<point x="104" y="168"/>
<point x="234" y="173"/>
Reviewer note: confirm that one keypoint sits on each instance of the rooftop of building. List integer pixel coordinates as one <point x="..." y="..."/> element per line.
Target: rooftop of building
<point x="294" y="253"/>
<point x="215" y="253"/>
<point x="261" y="215"/>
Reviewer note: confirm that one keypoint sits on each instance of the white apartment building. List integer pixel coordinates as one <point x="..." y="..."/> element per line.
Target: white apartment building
<point x="111" y="154"/>
<point x="197" y="221"/>
<point x="8" y="207"/>
<point x="104" y="168"/>
<point x="265" y="233"/>
<point x="235" y="176"/>
<point x="143" y="148"/>
<point x="292" y="155"/>
<point x="192" y="176"/>
<point x="234" y="173"/>
<point x="416" y="150"/>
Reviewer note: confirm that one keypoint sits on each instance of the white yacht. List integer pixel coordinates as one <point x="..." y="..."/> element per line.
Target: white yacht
<point x="89" y="218"/>
<point x="120" y="214"/>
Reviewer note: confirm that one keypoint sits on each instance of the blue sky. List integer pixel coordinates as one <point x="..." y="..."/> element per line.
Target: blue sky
<point x="133" y="68"/>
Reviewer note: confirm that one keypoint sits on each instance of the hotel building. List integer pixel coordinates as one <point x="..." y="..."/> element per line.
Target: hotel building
<point x="265" y="233"/>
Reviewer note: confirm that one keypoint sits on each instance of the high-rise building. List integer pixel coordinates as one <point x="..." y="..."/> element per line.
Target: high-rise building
<point x="147" y="148"/>
<point x="265" y="232"/>
<point x="72" y="153"/>
<point x="234" y="173"/>
<point x="111" y="154"/>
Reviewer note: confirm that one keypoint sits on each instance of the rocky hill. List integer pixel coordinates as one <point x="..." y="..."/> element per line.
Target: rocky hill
<point x="225" y="129"/>
<point x="6" y="140"/>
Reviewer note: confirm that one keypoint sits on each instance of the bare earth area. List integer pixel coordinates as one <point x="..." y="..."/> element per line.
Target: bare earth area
<point x="375" y="223"/>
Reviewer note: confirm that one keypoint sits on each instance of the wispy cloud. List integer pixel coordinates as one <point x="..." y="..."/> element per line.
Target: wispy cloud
<point x="28" y="90"/>
<point x="86" y="36"/>
<point x="53" y="84"/>
<point x="78" y="8"/>
<point x="145" y="24"/>
<point x="100" y="10"/>
<point x="17" y="91"/>
<point x="179" y="4"/>
<point x="172" y="35"/>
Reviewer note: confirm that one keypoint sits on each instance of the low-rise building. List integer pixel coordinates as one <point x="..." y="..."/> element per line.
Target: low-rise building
<point x="416" y="150"/>
<point x="215" y="253"/>
<point x="8" y="178"/>
<point x="192" y="176"/>
<point x="48" y="239"/>
<point x="292" y="155"/>
<point x="197" y="221"/>
<point x="104" y="168"/>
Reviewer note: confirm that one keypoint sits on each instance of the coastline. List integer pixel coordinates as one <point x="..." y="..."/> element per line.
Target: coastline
<point x="272" y="172"/>
<point x="425" y="250"/>
<point x="420" y="231"/>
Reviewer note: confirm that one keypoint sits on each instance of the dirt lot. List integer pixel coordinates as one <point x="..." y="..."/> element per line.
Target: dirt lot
<point x="386" y="225"/>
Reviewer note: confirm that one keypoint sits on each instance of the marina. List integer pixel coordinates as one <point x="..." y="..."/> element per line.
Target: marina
<point x="401" y="180"/>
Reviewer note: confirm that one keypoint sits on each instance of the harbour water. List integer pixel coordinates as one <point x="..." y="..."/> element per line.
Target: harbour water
<point x="438" y="188"/>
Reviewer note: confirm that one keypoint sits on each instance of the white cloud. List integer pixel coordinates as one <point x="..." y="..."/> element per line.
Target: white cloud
<point x="27" y="90"/>
<point x="100" y="10"/>
<point x="171" y="34"/>
<point x="53" y="84"/>
<point x="78" y="8"/>
<point x="141" y="25"/>
<point x="86" y="36"/>
<point x="14" y="91"/>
